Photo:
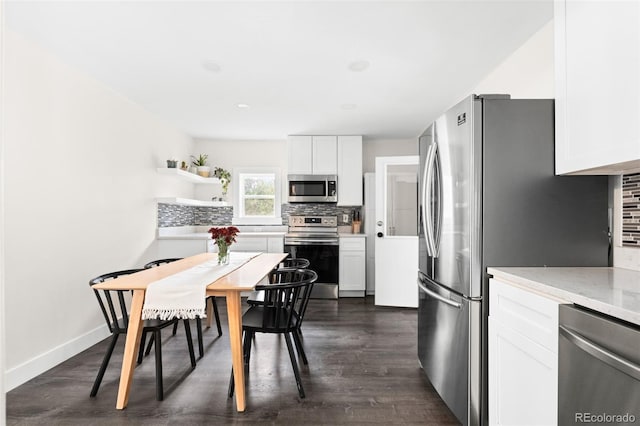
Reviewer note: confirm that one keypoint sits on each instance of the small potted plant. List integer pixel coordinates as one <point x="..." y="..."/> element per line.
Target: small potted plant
<point x="225" y="178"/>
<point x="201" y="163"/>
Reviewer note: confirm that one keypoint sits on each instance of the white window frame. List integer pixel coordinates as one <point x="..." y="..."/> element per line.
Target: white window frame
<point x="238" y="218"/>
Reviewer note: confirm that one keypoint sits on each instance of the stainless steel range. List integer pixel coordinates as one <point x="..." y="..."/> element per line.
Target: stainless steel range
<point x="316" y="238"/>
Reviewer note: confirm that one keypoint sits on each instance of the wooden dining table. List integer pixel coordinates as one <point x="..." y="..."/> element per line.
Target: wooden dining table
<point x="244" y="278"/>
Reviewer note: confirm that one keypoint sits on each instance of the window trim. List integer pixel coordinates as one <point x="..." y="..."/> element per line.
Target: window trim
<point x="259" y="220"/>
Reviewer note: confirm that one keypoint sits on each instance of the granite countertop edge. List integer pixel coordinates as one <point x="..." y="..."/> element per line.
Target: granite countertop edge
<point x="611" y="291"/>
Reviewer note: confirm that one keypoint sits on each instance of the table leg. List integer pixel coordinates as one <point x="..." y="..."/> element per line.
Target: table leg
<point x="209" y="313"/>
<point x="134" y="331"/>
<point x="234" y="313"/>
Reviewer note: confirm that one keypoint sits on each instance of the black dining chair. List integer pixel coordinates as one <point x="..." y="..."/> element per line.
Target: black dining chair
<point x="113" y="304"/>
<point x="283" y="306"/>
<point x="257" y="297"/>
<point x="155" y="263"/>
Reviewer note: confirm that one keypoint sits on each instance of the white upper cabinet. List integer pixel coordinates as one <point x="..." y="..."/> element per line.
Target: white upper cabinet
<point x="312" y="155"/>
<point x="597" y="66"/>
<point x="300" y="153"/>
<point x="325" y="155"/>
<point x="350" y="170"/>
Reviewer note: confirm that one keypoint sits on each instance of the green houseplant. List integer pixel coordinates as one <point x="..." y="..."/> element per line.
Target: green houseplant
<point x="201" y="163"/>
<point x="225" y="178"/>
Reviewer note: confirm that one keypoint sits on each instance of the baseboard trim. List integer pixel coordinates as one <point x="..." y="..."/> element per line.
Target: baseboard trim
<point x="26" y="371"/>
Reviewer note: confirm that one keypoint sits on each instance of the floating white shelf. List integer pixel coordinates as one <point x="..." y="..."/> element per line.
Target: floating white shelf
<point x="190" y="202"/>
<point x="191" y="177"/>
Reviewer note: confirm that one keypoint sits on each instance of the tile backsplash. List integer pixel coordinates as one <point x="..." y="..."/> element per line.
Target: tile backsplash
<point x="631" y="210"/>
<point x="170" y="215"/>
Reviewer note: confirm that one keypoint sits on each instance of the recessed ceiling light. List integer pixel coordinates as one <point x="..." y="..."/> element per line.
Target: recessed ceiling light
<point x="211" y="66"/>
<point x="348" y="106"/>
<point x="358" y="66"/>
<point x="243" y="106"/>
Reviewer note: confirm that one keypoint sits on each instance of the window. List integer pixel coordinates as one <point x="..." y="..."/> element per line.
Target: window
<point x="257" y="197"/>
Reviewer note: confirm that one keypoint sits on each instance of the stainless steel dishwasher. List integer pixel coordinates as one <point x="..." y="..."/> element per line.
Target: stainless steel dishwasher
<point x="599" y="369"/>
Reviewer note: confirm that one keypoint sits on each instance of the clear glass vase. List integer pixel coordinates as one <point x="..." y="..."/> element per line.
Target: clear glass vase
<point x="223" y="254"/>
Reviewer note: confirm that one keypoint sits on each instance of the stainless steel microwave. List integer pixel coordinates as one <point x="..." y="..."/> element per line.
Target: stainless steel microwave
<point x="313" y="188"/>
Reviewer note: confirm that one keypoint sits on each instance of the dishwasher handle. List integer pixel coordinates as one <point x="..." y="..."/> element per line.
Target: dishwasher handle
<point x="616" y="361"/>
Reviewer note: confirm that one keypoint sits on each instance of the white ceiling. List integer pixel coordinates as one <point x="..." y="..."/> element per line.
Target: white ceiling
<point x="289" y="61"/>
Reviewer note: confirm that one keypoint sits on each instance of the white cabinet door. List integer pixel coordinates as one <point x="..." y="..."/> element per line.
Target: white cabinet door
<point x="523" y="356"/>
<point x="349" y="170"/>
<point x="352" y="267"/>
<point x="522" y="379"/>
<point x="180" y="248"/>
<point x="325" y="155"/>
<point x="275" y="245"/>
<point x="597" y="59"/>
<point x="300" y="154"/>
<point x="250" y="244"/>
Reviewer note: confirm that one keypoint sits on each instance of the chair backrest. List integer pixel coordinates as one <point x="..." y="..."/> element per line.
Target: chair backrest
<point x="298" y="262"/>
<point x="159" y="262"/>
<point x="286" y="298"/>
<point x="117" y="319"/>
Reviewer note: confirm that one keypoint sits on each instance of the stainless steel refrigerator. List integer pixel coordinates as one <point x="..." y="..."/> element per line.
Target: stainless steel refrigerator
<point x="489" y="197"/>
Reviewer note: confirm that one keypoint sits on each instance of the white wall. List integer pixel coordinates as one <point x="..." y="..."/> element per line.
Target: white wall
<point x="527" y="72"/>
<point x="80" y="183"/>
<point x="3" y="398"/>
<point x="372" y="148"/>
<point x="230" y="154"/>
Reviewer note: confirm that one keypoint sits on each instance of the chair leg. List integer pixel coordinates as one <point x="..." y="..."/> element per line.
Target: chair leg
<point x="159" y="388"/>
<point x="299" y="347"/>
<point x="175" y="328"/>
<point x="187" y="330"/>
<point x="199" y="331"/>
<point x="103" y="366"/>
<point x="150" y="344"/>
<point x="248" y="337"/>
<point x="216" y="314"/>
<point x="294" y="364"/>
<point x="143" y="340"/>
<point x="231" y="384"/>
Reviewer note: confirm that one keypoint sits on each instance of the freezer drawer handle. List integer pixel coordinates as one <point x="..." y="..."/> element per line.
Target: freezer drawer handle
<point x="438" y="297"/>
<point x="604" y="355"/>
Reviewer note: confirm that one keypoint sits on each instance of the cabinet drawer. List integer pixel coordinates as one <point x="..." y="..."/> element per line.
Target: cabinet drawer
<point x="530" y="314"/>
<point x="352" y="244"/>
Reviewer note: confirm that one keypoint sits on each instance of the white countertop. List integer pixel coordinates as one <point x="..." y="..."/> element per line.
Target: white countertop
<point x="200" y="232"/>
<point x="350" y="235"/>
<point x="612" y="291"/>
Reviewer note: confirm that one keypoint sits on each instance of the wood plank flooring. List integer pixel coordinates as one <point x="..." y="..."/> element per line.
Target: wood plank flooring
<point x="363" y="369"/>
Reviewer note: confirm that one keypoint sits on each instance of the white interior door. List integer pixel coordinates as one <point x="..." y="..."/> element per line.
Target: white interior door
<point x="396" y="239"/>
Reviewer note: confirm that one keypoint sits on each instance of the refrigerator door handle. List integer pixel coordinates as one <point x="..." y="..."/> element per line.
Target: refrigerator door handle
<point x="427" y="210"/>
<point x="438" y="297"/>
<point x="437" y="229"/>
<point x="423" y="210"/>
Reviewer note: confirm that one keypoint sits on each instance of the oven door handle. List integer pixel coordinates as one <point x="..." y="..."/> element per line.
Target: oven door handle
<point x="311" y="242"/>
<point x="616" y="361"/>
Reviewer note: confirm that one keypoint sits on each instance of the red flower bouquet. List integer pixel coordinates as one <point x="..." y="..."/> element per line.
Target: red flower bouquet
<point x="224" y="236"/>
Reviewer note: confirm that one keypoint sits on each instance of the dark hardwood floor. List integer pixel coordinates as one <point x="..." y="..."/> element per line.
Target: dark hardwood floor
<point x="362" y="369"/>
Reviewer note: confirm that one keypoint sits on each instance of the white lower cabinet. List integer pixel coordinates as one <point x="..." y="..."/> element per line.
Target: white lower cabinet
<point x="523" y="356"/>
<point x="171" y="248"/>
<point x="352" y="261"/>
<point x="256" y="243"/>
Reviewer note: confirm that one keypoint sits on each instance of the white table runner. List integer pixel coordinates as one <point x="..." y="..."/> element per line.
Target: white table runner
<point x="183" y="295"/>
